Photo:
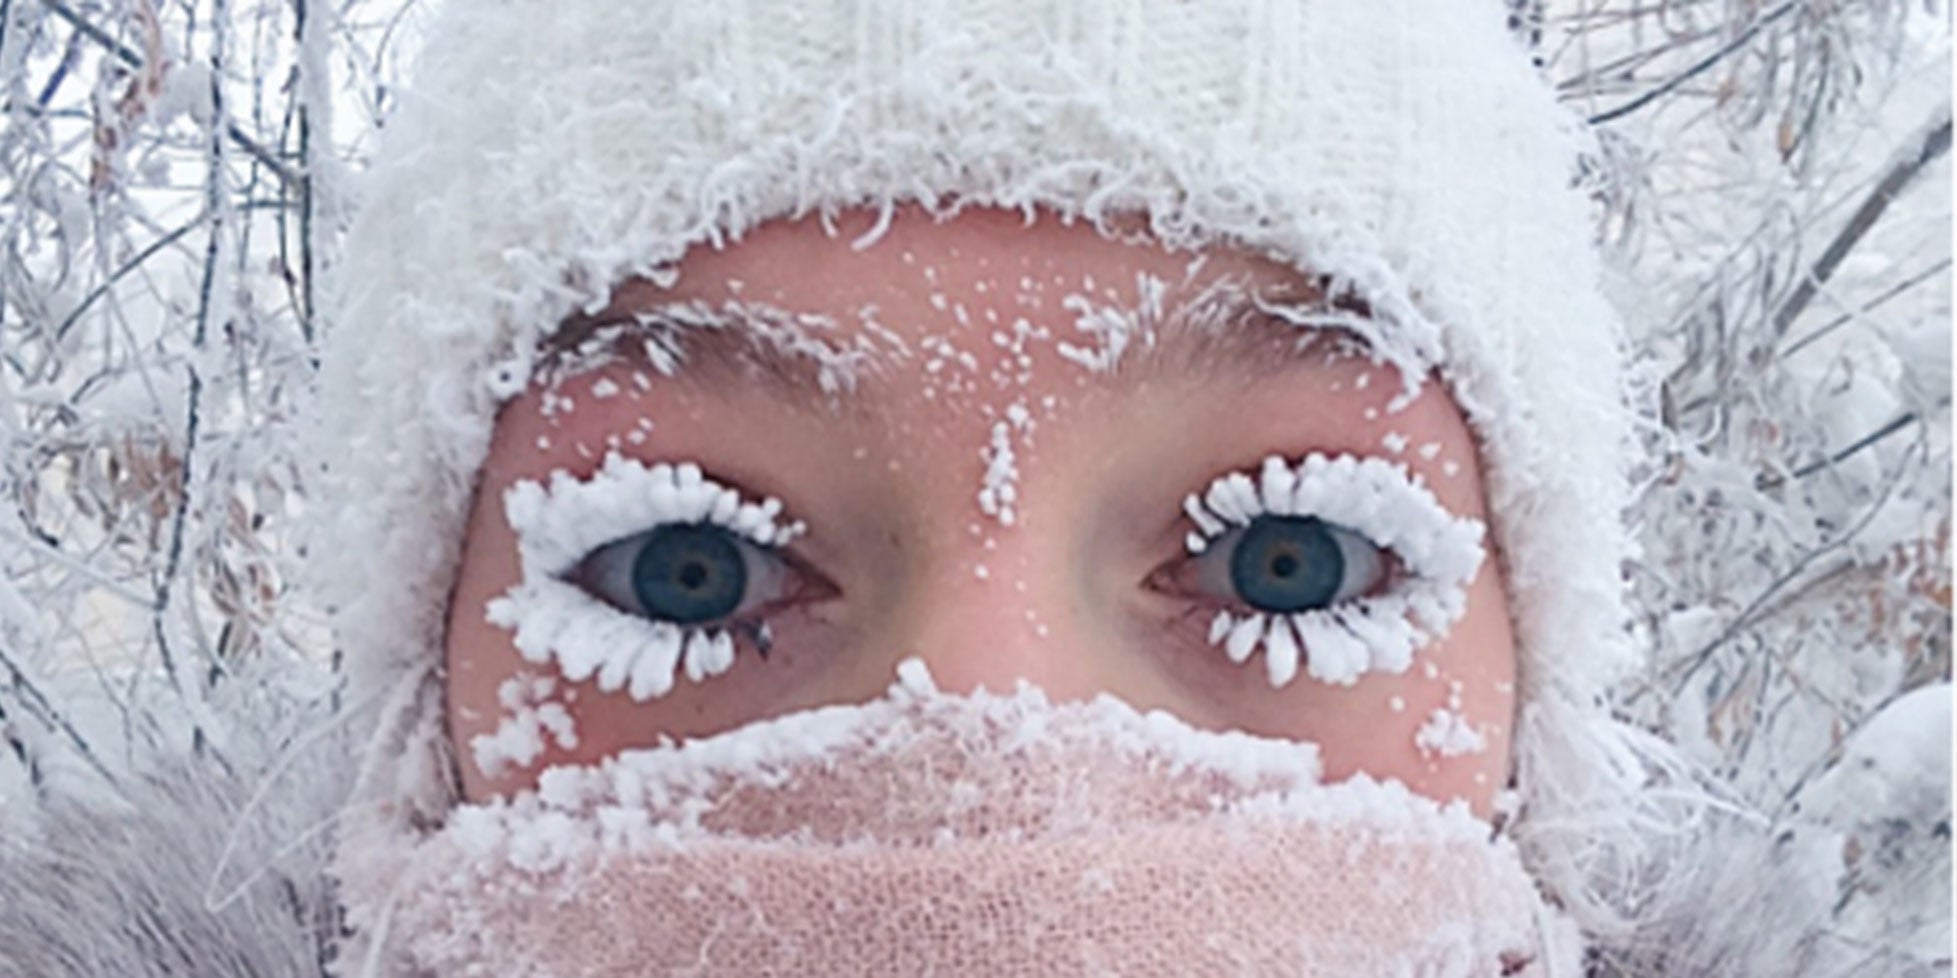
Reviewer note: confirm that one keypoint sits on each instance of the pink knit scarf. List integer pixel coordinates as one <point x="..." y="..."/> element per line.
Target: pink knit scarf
<point x="962" y="836"/>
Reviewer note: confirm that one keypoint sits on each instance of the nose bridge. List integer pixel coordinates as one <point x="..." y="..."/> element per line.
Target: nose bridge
<point x="990" y="618"/>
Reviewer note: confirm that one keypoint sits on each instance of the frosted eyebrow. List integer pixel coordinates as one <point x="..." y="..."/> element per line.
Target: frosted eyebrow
<point x="711" y="347"/>
<point x="1241" y="340"/>
<point x="788" y="356"/>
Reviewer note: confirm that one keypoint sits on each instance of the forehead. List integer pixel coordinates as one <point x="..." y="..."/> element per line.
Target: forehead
<point x="862" y="292"/>
<point x="913" y="257"/>
<point x="930" y="336"/>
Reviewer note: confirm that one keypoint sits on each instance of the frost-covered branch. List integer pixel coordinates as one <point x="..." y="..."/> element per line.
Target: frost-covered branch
<point x="1702" y="66"/>
<point x="1925" y="148"/>
<point x="136" y="62"/>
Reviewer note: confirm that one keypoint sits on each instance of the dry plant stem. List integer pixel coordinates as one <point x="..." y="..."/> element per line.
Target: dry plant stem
<point x="1934" y="273"/>
<point x="74" y="565"/>
<point x="123" y="53"/>
<point x="1835" y="751"/>
<point x="215" y="218"/>
<point x="1928" y="146"/>
<point x="1704" y="65"/>
<point x="96" y="294"/>
<point x="310" y="32"/>
<point x="1749" y="616"/>
<point x="1871" y="439"/>
<point x="51" y="715"/>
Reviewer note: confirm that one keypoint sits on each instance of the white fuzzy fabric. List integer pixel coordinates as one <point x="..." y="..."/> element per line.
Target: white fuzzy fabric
<point x="206" y="858"/>
<point x="1404" y="148"/>
<point x="135" y="888"/>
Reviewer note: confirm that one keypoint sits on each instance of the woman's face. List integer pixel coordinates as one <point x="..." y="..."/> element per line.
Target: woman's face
<point x="992" y="486"/>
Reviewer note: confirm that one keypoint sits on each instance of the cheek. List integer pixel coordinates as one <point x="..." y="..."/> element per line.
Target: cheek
<point x="1443" y="727"/>
<point x="479" y="657"/>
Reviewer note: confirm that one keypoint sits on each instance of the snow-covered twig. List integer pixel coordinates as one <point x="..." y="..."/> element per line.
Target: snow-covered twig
<point x="1925" y="148"/>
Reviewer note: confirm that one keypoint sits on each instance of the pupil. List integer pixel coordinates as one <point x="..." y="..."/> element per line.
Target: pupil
<point x="1285" y="564"/>
<point x="689" y="573"/>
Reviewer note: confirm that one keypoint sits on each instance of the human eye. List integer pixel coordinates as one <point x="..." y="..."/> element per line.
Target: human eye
<point x="642" y="573"/>
<point x="684" y="573"/>
<point x="1336" y="565"/>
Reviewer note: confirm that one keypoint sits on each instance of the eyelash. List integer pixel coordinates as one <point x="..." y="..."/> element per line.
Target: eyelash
<point x="1357" y="501"/>
<point x="570" y="536"/>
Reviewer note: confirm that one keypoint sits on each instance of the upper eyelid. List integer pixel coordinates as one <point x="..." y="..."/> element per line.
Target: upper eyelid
<point x="1439" y="552"/>
<point x="559" y="523"/>
<point x="1379" y="499"/>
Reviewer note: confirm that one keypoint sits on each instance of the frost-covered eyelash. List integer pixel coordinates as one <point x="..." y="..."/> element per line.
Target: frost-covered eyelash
<point x="559" y="524"/>
<point x="1382" y="500"/>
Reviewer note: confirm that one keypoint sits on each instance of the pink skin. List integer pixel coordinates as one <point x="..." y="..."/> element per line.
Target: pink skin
<point x="1082" y="595"/>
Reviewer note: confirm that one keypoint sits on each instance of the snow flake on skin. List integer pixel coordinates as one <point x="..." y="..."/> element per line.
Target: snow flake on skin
<point x="1112" y="325"/>
<point x="1448" y="734"/>
<point x="532" y="715"/>
<point x="998" y="493"/>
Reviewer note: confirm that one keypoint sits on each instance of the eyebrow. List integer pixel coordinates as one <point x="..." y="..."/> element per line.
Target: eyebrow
<point x="1245" y="339"/>
<point x="1228" y="337"/>
<point x="784" y="355"/>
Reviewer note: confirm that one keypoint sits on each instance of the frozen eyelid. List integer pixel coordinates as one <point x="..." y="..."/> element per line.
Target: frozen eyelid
<point x="565" y="525"/>
<point x="1220" y="502"/>
<point x="1367" y="505"/>
<point x="1281" y="651"/>
<point x="697" y="651"/>
<point x="1220" y="627"/>
<point x="1277" y="484"/>
<point x="1389" y="649"/>
<point x="663" y="496"/>
<point x="721" y="653"/>
<point x="725" y="505"/>
<point x="1332" y="655"/>
<point x="1244" y="636"/>
<point x="613" y="673"/>
<point x="1243" y="495"/>
<point x="1200" y="515"/>
<point x="652" y="671"/>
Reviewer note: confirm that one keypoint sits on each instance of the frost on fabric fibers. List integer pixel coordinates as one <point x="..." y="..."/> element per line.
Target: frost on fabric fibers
<point x="926" y="833"/>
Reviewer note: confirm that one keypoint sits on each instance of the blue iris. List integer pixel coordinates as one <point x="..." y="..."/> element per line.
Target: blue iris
<point x="687" y="573"/>
<point x="1284" y="564"/>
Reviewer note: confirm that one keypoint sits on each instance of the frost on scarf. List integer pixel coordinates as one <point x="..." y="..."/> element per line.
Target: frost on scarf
<point x="926" y="833"/>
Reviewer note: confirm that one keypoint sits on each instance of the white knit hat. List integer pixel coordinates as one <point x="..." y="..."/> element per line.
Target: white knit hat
<point x="1406" y="149"/>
